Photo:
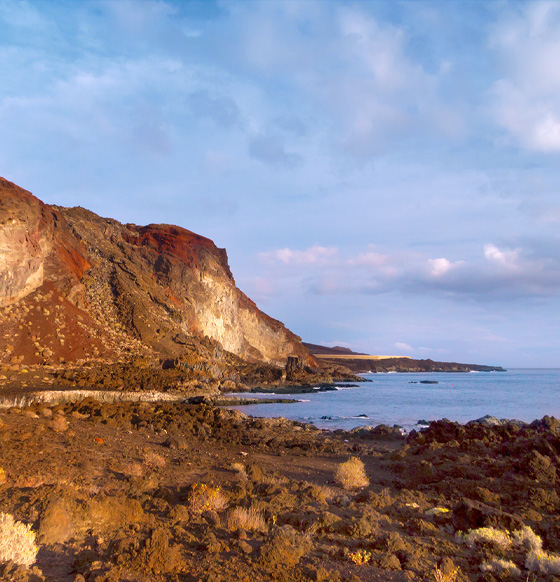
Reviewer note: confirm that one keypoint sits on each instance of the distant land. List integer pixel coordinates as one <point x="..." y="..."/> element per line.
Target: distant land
<point x="362" y="363"/>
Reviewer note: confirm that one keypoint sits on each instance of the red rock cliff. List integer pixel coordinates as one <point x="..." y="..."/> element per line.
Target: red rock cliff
<point x="75" y="285"/>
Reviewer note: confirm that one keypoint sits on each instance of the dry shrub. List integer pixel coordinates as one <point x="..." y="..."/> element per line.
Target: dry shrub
<point x="441" y="575"/>
<point x="329" y="493"/>
<point x="527" y="539"/>
<point x="490" y="536"/>
<point x="59" y="423"/>
<point x="251" y="519"/>
<point x="17" y="541"/>
<point x="359" y="557"/>
<point x="543" y="562"/>
<point x="501" y="566"/>
<point x="351" y="474"/>
<point x="273" y="480"/>
<point x="284" y="548"/>
<point x="153" y="459"/>
<point x="207" y="498"/>
<point x="3" y="476"/>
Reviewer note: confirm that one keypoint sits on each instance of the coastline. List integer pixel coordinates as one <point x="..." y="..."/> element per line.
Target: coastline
<point x="403" y="399"/>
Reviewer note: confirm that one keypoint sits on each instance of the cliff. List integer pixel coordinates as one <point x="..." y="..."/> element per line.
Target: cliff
<point x="75" y="286"/>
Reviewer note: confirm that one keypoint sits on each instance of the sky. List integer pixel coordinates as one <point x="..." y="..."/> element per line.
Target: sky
<point x="384" y="175"/>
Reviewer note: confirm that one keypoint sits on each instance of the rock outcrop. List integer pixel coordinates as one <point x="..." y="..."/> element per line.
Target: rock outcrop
<point x="75" y="286"/>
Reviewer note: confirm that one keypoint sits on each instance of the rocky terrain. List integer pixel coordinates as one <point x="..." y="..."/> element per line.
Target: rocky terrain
<point x="175" y="492"/>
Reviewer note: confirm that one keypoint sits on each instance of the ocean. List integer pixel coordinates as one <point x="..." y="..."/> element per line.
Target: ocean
<point x="400" y="399"/>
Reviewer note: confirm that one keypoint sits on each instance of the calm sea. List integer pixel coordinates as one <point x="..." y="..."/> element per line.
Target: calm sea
<point x="523" y="394"/>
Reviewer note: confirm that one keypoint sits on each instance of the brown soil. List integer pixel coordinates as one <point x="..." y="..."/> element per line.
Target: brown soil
<point x="146" y="492"/>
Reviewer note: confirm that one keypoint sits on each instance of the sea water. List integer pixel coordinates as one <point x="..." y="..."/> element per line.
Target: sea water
<point x="401" y="399"/>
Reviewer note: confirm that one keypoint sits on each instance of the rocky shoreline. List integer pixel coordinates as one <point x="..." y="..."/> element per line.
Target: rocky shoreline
<point x="172" y="491"/>
<point x="120" y="460"/>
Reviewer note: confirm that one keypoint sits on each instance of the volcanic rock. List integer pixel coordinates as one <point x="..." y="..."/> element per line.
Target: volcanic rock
<point x="78" y="287"/>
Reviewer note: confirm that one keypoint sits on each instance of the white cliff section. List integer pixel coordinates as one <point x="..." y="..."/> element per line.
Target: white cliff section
<point x="237" y="328"/>
<point x="217" y="318"/>
<point x="21" y="262"/>
<point x="269" y="342"/>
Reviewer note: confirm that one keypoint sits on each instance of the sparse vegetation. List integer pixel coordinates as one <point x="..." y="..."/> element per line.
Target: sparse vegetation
<point x="17" y="541"/>
<point x="105" y="512"/>
<point x="207" y="498"/>
<point x="351" y="474"/>
<point x="543" y="562"/>
<point x="487" y="535"/>
<point x="359" y="557"/>
<point x="250" y="519"/>
<point x="441" y="575"/>
<point x="501" y="566"/>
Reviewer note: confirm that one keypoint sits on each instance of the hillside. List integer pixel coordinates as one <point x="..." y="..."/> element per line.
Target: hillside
<point x="78" y="287"/>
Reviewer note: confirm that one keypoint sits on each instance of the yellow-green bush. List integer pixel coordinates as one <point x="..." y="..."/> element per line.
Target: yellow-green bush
<point x="501" y="567"/>
<point x="489" y="535"/>
<point x="351" y="474"/>
<point x="207" y="498"/>
<point x="543" y="562"/>
<point x="17" y="541"/>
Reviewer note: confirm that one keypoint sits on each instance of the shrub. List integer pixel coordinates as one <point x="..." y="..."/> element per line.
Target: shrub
<point x="489" y="535"/>
<point x="250" y="519"/>
<point x="207" y="498"/>
<point x="543" y="562"/>
<point x="17" y="541"/>
<point x="527" y="538"/>
<point x="501" y="566"/>
<point x="284" y="548"/>
<point x="437" y="511"/>
<point x="153" y="459"/>
<point x="359" y="557"/>
<point x="351" y="474"/>
<point x="442" y="575"/>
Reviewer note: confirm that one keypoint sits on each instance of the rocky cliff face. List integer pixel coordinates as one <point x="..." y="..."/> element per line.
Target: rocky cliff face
<point x="77" y="286"/>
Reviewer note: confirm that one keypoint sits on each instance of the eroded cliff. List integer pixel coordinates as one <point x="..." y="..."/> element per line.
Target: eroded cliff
<point x="77" y="286"/>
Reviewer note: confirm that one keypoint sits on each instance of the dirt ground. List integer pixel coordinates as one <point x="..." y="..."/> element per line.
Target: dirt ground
<point x="174" y="492"/>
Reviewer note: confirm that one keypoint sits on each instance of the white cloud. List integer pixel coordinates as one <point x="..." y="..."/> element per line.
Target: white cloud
<point x="312" y="255"/>
<point x="439" y="266"/>
<point x="506" y="258"/>
<point x="499" y="273"/>
<point x="525" y="100"/>
<point x="370" y="259"/>
<point x="403" y="347"/>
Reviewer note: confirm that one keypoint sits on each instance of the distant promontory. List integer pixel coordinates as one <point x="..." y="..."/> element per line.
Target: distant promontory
<point x="363" y="363"/>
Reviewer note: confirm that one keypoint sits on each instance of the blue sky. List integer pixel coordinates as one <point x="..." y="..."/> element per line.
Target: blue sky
<point x="383" y="175"/>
